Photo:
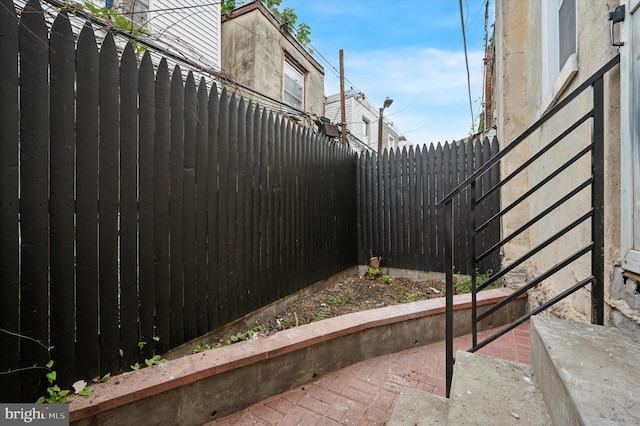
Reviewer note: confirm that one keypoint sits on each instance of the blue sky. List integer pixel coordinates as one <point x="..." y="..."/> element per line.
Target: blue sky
<point x="409" y="50"/>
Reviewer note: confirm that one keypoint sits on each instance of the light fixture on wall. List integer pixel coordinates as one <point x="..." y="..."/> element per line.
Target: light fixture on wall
<point x="387" y="103"/>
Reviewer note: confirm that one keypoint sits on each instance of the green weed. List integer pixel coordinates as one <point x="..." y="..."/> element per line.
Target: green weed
<point x="55" y="395"/>
<point x="386" y="279"/>
<point x="463" y="285"/>
<point x="342" y="299"/>
<point x="245" y="335"/>
<point x="201" y="348"/>
<point x="320" y="314"/>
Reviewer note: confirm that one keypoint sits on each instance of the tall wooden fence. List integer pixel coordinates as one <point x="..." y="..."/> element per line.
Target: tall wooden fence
<point x="137" y="206"/>
<point x="397" y="196"/>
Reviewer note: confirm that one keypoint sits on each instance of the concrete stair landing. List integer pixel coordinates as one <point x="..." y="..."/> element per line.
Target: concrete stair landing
<point x="580" y="374"/>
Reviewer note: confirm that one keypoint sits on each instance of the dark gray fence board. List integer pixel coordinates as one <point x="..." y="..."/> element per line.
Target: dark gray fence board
<point x="87" y="100"/>
<point x="224" y="273"/>
<point x="277" y="206"/>
<point x="406" y="208"/>
<point x="213" y="264"/>
<point x="494" y="205"/>
<point x="61" y="209"/>
<point x="235" y="206"/>
<point x="162" y="274"/>
<point x="242" y="196"/>
<point x="108" y="204"/>
<point x="360" y="193"/>
<point x="201" y="209"/>
<point x="176" y="207"/>
<point x="264" y="159"/>
<point x="252" y="217"/>
<point x="147" y="220"/>
<point x="128" y="205"/>
<point x="9" y="243"/>
<point x="434" y="189"/>
<point x="189" y="204"/>
<point x="34" y="190"/>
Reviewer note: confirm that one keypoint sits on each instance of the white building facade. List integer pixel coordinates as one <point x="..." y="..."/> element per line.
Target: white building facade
<point x="362" y="122"/>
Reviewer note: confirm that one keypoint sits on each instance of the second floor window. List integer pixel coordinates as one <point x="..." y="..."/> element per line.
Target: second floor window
<point x="293" y="86"/>
<point x="136" y="10"/>
<point x="365" y="129"/>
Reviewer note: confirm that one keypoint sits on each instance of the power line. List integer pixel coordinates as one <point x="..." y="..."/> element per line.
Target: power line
<point x="466" y="60"/>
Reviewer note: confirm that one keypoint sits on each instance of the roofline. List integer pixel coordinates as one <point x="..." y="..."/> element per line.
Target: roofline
<point x="257" y="5"/>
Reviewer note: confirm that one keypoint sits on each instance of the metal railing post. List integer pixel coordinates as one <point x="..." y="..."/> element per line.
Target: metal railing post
<point x="597" y="198"/>
<point x="448" y="250"/>
<point x="472" y="256"/>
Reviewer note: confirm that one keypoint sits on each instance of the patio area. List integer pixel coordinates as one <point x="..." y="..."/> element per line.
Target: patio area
<point x="365" y="393"/>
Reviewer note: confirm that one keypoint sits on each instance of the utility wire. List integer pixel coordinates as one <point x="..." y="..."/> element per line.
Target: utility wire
<point x="484" y="67"/>
<point x="466" y="60"/>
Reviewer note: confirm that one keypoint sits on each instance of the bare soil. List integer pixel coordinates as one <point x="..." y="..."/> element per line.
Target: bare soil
<point x="354" y="294"/>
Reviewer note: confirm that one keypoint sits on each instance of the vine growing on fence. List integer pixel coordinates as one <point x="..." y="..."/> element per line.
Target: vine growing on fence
<point x="55" y="395"/>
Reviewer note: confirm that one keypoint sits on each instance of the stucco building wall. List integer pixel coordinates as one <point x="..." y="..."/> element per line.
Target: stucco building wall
<point x="520" y="101"/>
<point x="254" y="49"/>
<point x="511" y="100"/>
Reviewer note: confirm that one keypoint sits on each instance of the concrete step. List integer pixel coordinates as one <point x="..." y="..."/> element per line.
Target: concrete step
<point x="418" y="408"/>
<point x="587" y="374"/>
<point x="489" y="391"/>
<point x="484" y="391"/>
<point x="580" y="374"/>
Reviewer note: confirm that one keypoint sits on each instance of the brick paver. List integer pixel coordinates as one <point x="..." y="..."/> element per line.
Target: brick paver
<point x="366" y="393"/>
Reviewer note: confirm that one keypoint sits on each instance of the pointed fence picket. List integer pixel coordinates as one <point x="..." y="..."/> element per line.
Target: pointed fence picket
<point x="398" y="192"/>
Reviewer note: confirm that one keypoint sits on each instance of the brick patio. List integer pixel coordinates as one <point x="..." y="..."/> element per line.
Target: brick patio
<point x="365" y="393"/>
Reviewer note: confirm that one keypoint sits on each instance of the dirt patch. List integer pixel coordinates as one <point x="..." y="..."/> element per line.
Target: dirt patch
<point x="353" y="294"/>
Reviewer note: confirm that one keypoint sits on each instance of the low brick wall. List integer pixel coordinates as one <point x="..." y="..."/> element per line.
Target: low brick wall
<point x="198" y="388"/>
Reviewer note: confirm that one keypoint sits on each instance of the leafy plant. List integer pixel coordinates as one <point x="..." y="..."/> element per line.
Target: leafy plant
<point x="410" y="297"/>
<point x="80" y="388"/>
<point x="387" y="279"/>
<point x="157" y="359"/>
<point x="286" y="322"/>
<point x="287" y="17"/>
<point x="245" y="335"/>
<point x="114" y="18"/>
<point x="320" y="314"/>
<point x="463" y="285"/>
<point x="373" y="271"/>
<point x="55" y="395"/>
<point x="201" y="348"/>
<point x="342" y="299"/>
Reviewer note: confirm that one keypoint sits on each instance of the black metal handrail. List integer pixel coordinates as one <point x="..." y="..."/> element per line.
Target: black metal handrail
<point x="595" y="214"/>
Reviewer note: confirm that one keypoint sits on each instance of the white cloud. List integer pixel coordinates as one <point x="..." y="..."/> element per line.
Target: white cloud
<point x="428" y="86"/>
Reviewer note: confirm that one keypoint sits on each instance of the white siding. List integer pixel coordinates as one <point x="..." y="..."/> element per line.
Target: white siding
<point x="193" y="32"/>
<point x="357" y="108"/>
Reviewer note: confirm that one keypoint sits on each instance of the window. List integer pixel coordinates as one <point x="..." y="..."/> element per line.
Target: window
<point x="135" y="10"/>
<point x="391" y="142"/>
<point x="293" y="86"/>
<point x="366" y="130"/>
<point x="559" y="48"/>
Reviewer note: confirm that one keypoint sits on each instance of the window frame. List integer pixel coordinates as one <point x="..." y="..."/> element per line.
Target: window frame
<point x="366" y="129"/>
<point x="294" y="68"/>
<point x="134" y="11"/>
<point x="555" y="77"/>
<point x="391" y="142"/>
